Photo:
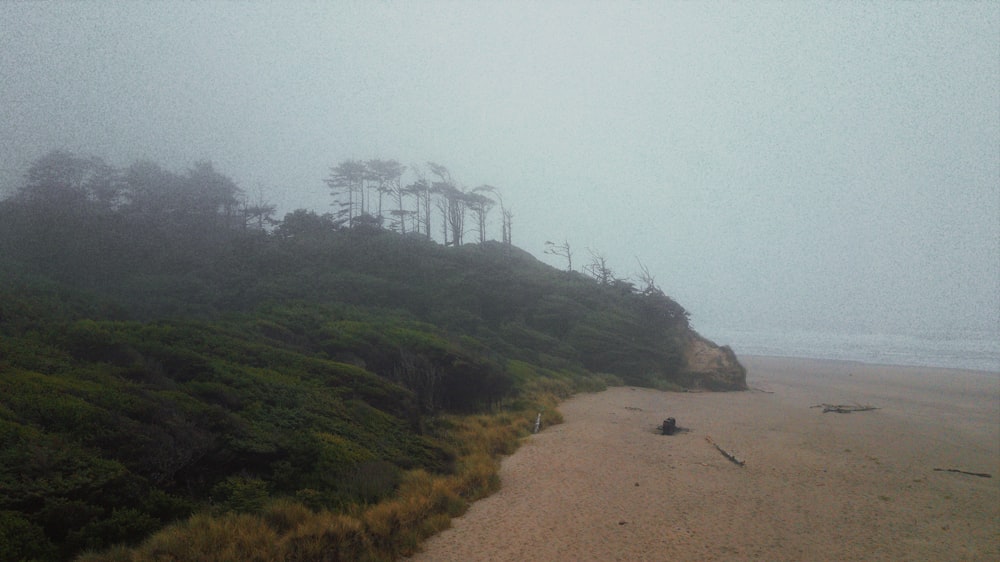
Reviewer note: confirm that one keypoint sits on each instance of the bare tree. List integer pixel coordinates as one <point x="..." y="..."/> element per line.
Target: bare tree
<point x="562" y="250"/>
<point x="649" y="286"/>
<point x="258" y="214"/>
<point x="658" y="302"/>
<point x="508" y="218"/>
<point x="457" y="200"/>
<point x="598" y="268"/>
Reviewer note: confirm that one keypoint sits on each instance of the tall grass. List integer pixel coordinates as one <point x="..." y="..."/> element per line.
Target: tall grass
<point x="230" y="536"/>
<point x="285" y="529"/>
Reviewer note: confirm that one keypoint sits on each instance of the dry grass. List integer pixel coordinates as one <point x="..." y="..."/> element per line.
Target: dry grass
<point x="288" y="530"/>
<point x="227" y="537"/>
<point x="327" y="537"/>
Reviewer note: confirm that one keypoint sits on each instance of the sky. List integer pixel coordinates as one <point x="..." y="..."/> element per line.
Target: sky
<point x="831" y="167"/>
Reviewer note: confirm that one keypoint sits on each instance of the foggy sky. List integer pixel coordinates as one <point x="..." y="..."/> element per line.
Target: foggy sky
<point x="832" y="167"/>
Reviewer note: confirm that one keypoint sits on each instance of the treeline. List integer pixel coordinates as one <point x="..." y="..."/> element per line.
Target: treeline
<point x="160" y="244"/>
<point x="82" y="220"/>
<point x="373" y="193"/>
<point x="68" y="200"/>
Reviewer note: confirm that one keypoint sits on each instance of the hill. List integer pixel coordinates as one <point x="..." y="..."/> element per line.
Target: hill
<point x="163" y="361"/>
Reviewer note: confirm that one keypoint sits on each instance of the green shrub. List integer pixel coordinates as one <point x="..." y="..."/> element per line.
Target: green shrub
<point x="124" y="526"/>
<point x="241" y="494"/>
<point x="22" y="540"/>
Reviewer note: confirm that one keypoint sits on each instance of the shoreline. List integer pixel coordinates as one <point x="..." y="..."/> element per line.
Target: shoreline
<point x="605" y="485"/>
<point x="861" y="363"/>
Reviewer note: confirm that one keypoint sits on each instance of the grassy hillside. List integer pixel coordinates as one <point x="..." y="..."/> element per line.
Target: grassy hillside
<point x="346" y="390"/>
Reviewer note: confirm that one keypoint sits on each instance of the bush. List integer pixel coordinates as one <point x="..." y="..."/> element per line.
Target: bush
<point x="22" y="540"/>
<point x="124" y="526"/>
<point x="241" y="494"/>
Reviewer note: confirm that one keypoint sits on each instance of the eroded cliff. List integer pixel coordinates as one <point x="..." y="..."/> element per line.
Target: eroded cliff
<point x="708" y="366"/>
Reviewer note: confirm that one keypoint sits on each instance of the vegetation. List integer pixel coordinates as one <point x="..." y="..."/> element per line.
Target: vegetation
<point x="184" y="377"/>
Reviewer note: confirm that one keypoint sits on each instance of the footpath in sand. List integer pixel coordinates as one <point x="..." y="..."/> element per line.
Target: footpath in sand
<point x="605" y="485"/>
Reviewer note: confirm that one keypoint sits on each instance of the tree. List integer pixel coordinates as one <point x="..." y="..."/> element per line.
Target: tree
<point x="152" y="194"/>
<point x="598" y="268"/>
<point x="422" y="192"/>
<point x="182" y="220"/>
<point x="62" y="180"/>
<point x="258" y="214"/>
<point x="657" y="302"/>
<point x="60" y="217"/>
<point x="506" y="216"/>
<point x="649" y="286"/>
<point x="442" y="205"/>
<point x="304" y="224"/>
<point x="105" y="185"/>
<point x="508" y="219"/>
<point x="347" y="184"/>
<point x="456" y="200"/>
<point x="210" y="193"/>
<point x="480" y="205"/>
<point x="201" y="197"/>
<point x="387" y="176"/>
<point x="562" y="250"/>
<point x="55" y="179"/>
<point x="451" y="203"/>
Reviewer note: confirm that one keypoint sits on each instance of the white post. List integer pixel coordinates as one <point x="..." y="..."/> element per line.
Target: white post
<point x="538" y="422"/>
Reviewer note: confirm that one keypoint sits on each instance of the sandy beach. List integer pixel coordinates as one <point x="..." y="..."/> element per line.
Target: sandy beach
<point x="606" y="485"/>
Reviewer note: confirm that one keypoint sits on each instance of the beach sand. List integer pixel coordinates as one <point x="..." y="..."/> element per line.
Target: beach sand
<point x="605" y="485"/>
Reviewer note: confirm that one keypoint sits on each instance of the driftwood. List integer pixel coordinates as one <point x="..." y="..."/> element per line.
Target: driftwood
<point x="726" y="453"/>
<point x="844" y="408"/>
<point x="979" y="474"/>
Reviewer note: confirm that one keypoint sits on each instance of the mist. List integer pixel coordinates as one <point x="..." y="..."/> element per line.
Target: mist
<point x="830" y="168"/>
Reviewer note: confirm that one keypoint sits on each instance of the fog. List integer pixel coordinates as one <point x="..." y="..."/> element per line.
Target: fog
<point x="825" y="167"/>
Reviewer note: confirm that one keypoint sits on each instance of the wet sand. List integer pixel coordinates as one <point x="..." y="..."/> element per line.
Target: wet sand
<point x="605" y="485"/>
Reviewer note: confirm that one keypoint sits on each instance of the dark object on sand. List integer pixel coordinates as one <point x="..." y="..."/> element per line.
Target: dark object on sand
<point x="732" y="457"/>
<point x="669" y="426"/>
<point x="844" y="408"/>
<point x="979" y="474"/>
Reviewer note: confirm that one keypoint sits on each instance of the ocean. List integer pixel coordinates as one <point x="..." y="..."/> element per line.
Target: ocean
<point x="974" y="350"/>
